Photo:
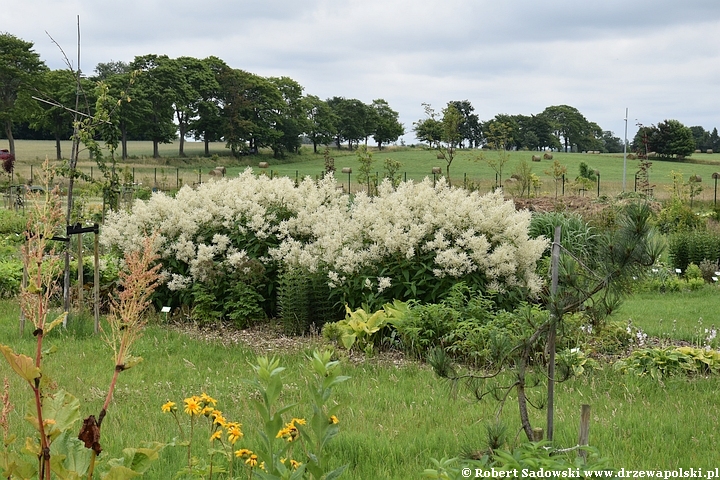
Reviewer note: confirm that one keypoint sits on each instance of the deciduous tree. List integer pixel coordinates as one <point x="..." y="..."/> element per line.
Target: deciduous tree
<point x="321" y="121"/>
<point x="20" y="74"/>
<point x="387" y="127"/>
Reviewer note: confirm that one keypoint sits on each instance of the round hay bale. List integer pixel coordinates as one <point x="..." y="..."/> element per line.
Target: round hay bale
<point x="709" y="150"/>
<point x="536" y="158"/>
<point x="436" y="170"/>
<point x="548" y="156"/>
<point x="263" y="164"/>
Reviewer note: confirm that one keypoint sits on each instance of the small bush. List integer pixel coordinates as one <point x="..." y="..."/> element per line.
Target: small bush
<point x="693" y="272"/>
<point x="11" y="222"/>
<point x="678" y="217"/>
<point x="708" y="268"/>
<point x="10" y="277"/>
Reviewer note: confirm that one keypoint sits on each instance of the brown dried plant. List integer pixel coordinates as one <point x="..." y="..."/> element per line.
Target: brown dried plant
<point x="125" y="322"/>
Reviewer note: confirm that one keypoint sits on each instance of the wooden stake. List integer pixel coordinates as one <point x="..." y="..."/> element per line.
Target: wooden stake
<point x="584" y="430"/>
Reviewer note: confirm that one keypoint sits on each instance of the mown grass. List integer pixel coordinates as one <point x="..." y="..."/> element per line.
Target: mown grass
<point x="395" y="415"/>
<point x="673" y="315"/>
<point x="467" y="168"/>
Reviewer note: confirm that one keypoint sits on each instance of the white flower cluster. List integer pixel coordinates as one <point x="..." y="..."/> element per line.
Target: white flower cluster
<point x="323" y="230"/>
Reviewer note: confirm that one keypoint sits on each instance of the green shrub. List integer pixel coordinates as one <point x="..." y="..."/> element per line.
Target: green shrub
<point x="708" y="268"/>
<point x="693" y="272"/>
<point x="11" y="272"/>
<point x="11" y="222"/>
<point x="685" y="248"/>
<point x="468" y="325"/>
<point x="678" y="217"/>
<point x="663" y="362"/>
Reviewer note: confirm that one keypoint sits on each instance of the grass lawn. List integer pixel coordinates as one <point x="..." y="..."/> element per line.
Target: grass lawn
<point x="467" y="168"/>
<point x="395" y="413"/>
<point x="673" y="315"/>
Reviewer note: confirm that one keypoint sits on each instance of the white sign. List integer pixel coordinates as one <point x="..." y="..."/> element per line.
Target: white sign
<point x="165" y="310"/>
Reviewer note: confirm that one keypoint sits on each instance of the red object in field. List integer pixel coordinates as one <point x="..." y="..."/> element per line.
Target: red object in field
<point x="8" y="159"/>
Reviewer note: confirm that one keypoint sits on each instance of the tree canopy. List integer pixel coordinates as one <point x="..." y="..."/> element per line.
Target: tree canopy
<point x="20" y="74"/>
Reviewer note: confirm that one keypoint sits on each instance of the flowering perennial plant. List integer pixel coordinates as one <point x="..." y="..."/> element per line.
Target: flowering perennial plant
<point x="280" y="442"/>
<point x="399" y="243"/>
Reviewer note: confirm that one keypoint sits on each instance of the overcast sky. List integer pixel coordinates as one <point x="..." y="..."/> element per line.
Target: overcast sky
<point x="659" y="58"/>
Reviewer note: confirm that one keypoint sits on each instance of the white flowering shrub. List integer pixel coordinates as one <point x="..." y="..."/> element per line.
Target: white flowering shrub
<point x="413" y="241"/>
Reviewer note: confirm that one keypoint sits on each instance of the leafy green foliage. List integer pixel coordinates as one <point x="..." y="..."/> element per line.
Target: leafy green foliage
<point x="676" y="217"/>
<point x="304" y="301"/>
<point x="10" y="277"/>
<point x="360" y="327"/>
<point x="468" y="325"/>
<point x="663" y="362"/>
<point x="685" y="248"/>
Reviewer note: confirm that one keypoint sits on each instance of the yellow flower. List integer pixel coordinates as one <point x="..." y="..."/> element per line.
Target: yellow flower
<point x="206" y="411"/>
<point x="216" y="436"/>
<point x="218" y="418"/>
<point x="169" y="407"/>
<point x="207" y="399"/>
<point x="295" y="464"/>
<point x="243" y="453"/>
<point x="252" y="460"/>
<point x="290" y="431"/>
<point x="234" y="432"/>
<point x="192" y="406"/>
<point x="334" y="420"/>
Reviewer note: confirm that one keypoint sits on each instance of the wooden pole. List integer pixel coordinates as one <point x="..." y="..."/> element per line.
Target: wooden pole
<point x="81" y="278"/>
<point x="584" y="430"/>
<point x="552" y="334"/>
<point x="96" y="282"/>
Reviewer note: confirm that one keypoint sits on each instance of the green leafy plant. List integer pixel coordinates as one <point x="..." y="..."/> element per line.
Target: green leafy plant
<point x="359" y="327"/>
<point x="658" y="363"/>
<point x="57" y="449"/>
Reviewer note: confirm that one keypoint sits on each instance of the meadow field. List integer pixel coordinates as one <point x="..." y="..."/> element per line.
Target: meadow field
<point x="395" y="414"/>
<point x="469" y="167"/>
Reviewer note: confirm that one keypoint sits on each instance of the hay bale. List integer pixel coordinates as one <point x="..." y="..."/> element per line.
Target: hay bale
<point x="709" y="150"/>
<point x="440" y="156"/>
<point x="698" y="151"/>
<point x="536" y="158"/>
<point x="222" y="170"/>
<point x="548" y="156"/>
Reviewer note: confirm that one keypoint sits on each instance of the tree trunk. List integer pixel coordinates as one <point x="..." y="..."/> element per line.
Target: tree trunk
<point x="10" y="138"/>
<point x="207" y="145"/>
<point x="123" y="141"/>
<point x="182" y="139"/>
<point x="58" y="150"/>
<point x="314" y="146"/>
<point x="156" y="149"/>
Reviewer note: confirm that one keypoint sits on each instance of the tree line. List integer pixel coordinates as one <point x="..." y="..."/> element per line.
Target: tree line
<point x="160" y="99"/>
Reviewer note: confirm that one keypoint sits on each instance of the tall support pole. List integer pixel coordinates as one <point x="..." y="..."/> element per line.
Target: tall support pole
<point x="96" y="281"/>
<point x="81" y="278"/>
<point x="625" y="150"/>
<point x="554" y="318"/>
